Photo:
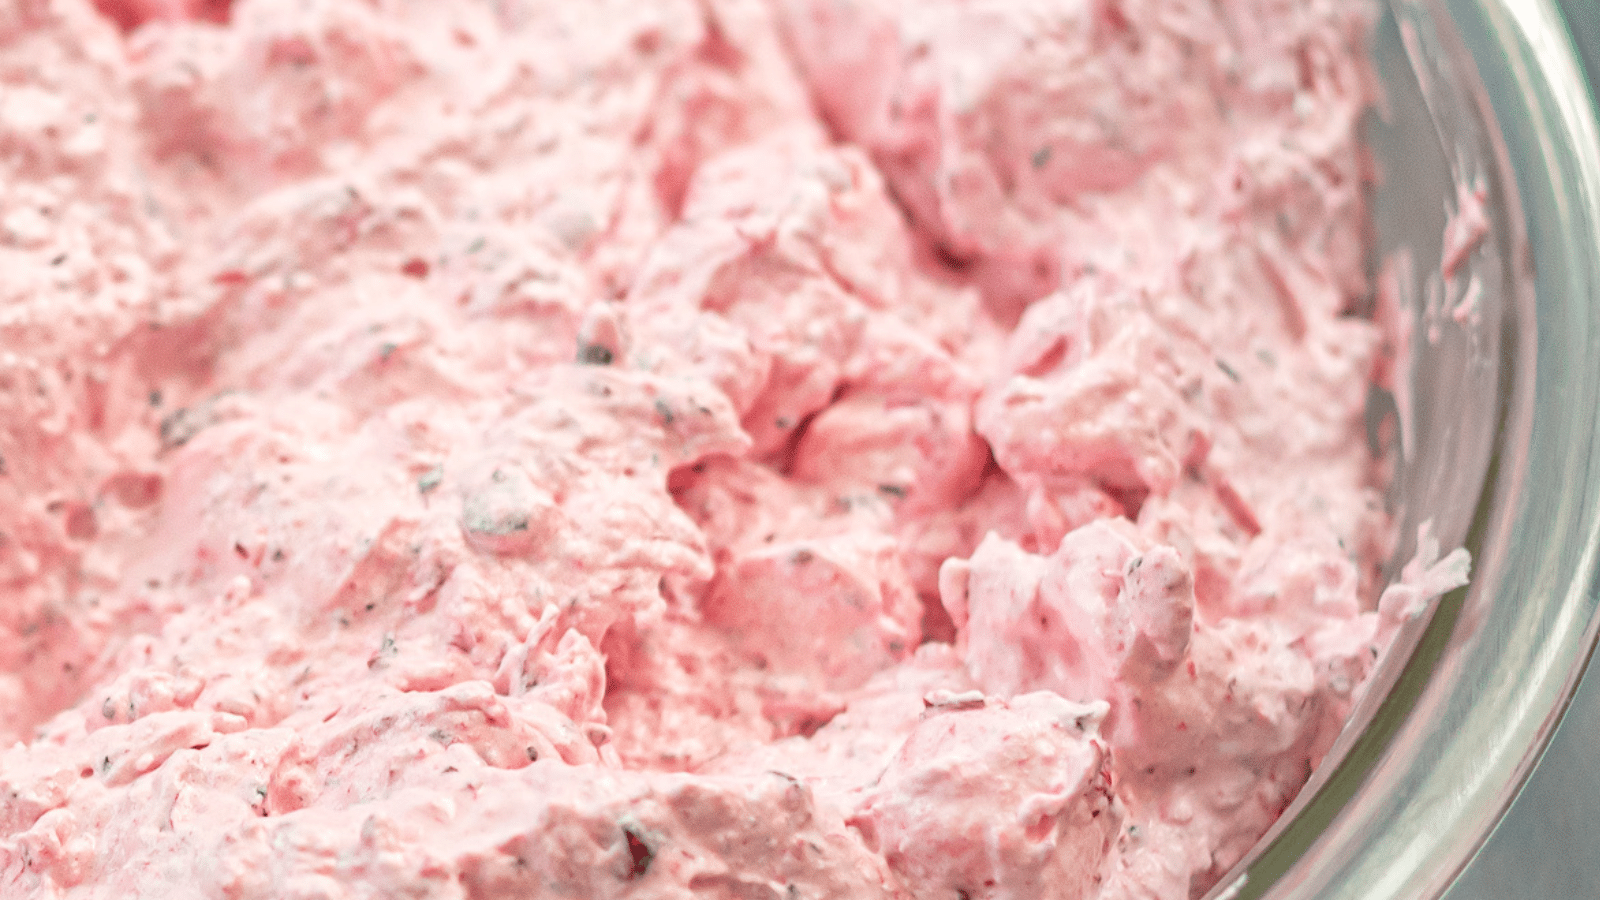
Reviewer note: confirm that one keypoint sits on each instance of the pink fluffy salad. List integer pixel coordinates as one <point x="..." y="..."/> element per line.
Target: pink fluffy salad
<point x="697" y="448"/>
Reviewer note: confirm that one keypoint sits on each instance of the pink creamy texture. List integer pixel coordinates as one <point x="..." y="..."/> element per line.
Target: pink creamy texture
<point x="718" y="448"/>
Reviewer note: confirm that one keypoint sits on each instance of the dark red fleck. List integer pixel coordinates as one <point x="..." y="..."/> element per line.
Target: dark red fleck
<point x="640" y="853"/>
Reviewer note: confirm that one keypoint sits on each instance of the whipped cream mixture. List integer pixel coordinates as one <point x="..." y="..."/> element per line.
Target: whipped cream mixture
<point x="718" y="448"/>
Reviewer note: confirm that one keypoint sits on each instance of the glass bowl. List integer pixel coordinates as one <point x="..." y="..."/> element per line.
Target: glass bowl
<point x="1499" y="424"/>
